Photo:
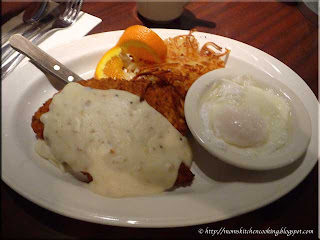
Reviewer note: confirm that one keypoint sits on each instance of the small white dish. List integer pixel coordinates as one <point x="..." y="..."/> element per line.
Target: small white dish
<point x="299" y="133"/>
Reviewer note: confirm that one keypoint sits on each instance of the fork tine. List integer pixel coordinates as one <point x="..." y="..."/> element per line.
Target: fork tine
<point x="76" y="10"/>
<point x="72" y="6"/>
<point x="68" y="9"/>
<point x="79" y="7"/>
<point x="72" y="12"/>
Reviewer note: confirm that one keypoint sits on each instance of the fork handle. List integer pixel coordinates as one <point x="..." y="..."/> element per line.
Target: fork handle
<point x="42" y="59"/>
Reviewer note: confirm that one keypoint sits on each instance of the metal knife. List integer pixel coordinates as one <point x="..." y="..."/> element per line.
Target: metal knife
<point x="42" y="59"/>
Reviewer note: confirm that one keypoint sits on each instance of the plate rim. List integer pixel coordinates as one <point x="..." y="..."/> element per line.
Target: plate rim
<point x="156" y="223"/>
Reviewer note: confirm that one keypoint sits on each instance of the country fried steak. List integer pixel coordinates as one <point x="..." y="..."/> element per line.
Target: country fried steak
<point x="160" y="95"/>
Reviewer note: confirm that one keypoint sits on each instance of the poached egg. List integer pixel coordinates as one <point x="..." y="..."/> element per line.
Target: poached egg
<point x="245" y="118"/>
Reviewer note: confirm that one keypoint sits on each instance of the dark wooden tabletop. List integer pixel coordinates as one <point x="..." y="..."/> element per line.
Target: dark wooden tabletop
<point x="282" y="30"/>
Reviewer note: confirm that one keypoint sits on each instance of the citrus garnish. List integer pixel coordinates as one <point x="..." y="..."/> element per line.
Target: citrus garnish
<point x="143" y="43"/>
<point x="110" y="65"/>
<point x="137" y="41"/>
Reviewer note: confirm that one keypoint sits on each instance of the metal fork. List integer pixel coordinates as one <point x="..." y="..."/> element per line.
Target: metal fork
<point x="66" y="19"/>
<point x="7" y="51"/>
<point x="27" y="21"/>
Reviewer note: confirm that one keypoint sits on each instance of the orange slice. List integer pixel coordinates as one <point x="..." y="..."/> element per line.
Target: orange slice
<point x="143" y="44"/>
<point x="138" y="41"/>
<point x="110" y="65"/>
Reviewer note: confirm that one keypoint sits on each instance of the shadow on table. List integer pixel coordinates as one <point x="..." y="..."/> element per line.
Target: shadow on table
<point x="186" y="21"/>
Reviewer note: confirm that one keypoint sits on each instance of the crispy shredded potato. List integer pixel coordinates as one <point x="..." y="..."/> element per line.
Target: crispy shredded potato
<point x="184" y="49"/>
<point x="185" y="62"/>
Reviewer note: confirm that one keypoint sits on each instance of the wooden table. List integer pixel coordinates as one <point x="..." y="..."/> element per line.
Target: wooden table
<point x="279" y="29"/>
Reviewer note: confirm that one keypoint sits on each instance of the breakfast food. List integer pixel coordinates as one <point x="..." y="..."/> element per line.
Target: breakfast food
<point x="242" y="117"/>
<point x="164" y="98"/>
<point x="179" y="60"/>
<point x="127" y="137"/>
<point x="153" y="138"/>
<point x="186" y="62"/>
<point x="137" y="46"/>
<point x="143" y="44"/>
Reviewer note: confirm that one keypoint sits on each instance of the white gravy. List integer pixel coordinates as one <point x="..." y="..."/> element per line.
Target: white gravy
<point x="128" y="147"/>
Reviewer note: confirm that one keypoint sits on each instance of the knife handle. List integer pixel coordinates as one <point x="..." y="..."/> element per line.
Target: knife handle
<point x="42" y="59"/>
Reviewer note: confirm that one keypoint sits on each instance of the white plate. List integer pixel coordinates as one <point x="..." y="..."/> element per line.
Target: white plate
<point x="300" y="125"/>
<point x="218" y="192"/>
